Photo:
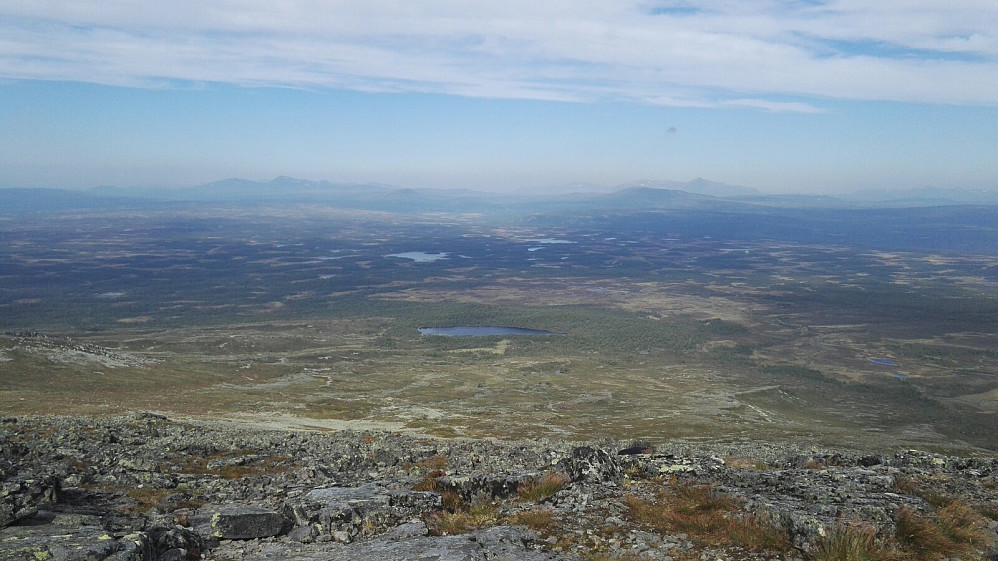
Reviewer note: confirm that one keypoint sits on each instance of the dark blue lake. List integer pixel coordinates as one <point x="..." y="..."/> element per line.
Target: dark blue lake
<point x="483" y="331"/>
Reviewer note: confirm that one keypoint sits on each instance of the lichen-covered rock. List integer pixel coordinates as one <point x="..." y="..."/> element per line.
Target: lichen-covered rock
<point x="483" y="485"/>
<point x="59" y="542"/>
<point x="179" y="541"/>
<point x="239" y="522"/>
<point x="20" y="496"/>
<point x="593" y="465"/>
<point x="365" y="509"/>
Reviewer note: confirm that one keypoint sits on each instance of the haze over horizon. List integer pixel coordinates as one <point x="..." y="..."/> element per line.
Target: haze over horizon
<point x="806" y="97"/>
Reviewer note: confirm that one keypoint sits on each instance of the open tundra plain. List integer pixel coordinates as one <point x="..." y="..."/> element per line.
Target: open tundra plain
<point x="672" y="324"/>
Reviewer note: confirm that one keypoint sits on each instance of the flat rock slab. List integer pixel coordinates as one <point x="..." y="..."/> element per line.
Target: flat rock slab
<point x="352" y="509"/>
<point x="239" y="522"/>
<point x="57" y="543"/>
<point x="502" y="543"/>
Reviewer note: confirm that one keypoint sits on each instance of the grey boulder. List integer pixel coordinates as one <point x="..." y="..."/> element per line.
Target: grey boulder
<point x="239" y="522"/>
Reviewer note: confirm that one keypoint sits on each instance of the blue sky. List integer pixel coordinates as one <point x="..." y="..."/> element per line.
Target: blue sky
<point x="780" y="95"/>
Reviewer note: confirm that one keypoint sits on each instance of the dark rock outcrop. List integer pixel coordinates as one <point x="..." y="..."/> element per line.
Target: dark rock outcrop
<point x="239" y="522"/>
<point x="21" y="496"/>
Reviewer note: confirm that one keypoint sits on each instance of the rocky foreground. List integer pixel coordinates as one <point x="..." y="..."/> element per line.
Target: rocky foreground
<point x="145" y="487"/>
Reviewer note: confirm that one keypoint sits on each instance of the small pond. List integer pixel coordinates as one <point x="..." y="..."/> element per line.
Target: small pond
<point x="883" y="361"/>
<point x="420" y="256"/>
<point x="483" y="331"/>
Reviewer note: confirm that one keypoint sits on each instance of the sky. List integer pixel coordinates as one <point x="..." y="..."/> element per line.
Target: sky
<point x="804" y="96"/>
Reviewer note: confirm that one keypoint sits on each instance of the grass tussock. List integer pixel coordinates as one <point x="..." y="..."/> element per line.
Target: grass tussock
<point x="989" y="511"/>
<point x="451" y="501"/>
<point x="434" y="463"/>
<point x="429" y="482"/>
<point x="963" y="525"/>
<point x="538" y="519"/>
<point x="146" y="498"/>
<point x="920" y="535"/>
<point x="926" y="490"/>
<point x="708" y="517"/>
<point x="953" y="530"/>
<point x="540" y="488"/>
<point x="852" y="543"/>
<point x="463" y="519"/>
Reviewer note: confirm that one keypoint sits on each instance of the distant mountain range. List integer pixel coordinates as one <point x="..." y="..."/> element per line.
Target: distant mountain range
<point x="696" y="194"/>
<point x="698" y="186"/>
<point x="926" y="196"/>
<point x="235" y="190"/>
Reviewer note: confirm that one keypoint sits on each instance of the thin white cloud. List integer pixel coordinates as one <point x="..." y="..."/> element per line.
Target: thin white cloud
<point x="695" y="53"/>
<point x="774" y="106"/>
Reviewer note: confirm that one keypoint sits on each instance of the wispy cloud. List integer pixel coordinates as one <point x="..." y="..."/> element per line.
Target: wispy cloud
<point x="778" y="55"/>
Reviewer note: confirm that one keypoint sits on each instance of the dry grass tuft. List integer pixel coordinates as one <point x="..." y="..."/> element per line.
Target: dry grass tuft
<point x="428" y="483"/>
<point x="699" y="510"/>
<point x="538" y="519"/>
<point x="461" y="520"/>
<point x="921" y="536"/>
<point x="963" y="525"/>
<point x="451" y="501"/>
<point x="709" y="517"/>
<point x="954" y="530"/>
<point x="537" y="489"/>
<point x="923" y="489"/>
<point x="852" y="543"/>
<point x="754" y="532"/>
<point x="988" y="511"/>
<point x="146" y="498"/>
<point x="435" y="463"/>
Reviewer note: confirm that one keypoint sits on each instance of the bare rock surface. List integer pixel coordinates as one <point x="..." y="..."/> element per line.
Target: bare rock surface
<point x="501" y="543"/>
<point x="144" y="487"/>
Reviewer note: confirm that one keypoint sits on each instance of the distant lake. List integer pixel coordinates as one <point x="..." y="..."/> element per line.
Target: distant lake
<point x="419" y="256"/>
<point x="883" y="361"/>
<point x="483" y="331"/>
<point x="549" y="240"/>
